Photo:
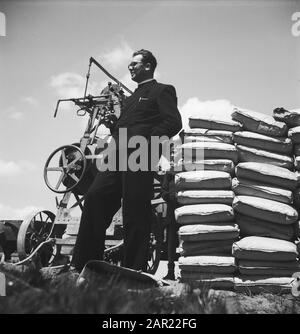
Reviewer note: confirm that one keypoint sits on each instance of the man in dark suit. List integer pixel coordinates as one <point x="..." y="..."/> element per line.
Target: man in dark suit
<point x="150" y="111"/>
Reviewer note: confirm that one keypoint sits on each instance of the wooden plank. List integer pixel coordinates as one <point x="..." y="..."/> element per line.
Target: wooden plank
<point x="72" y="229"/>
<point x="67" y="220"/>
<point x="67" y="250"/>
<point x="158" y="201"/>
<point x="66" y="241"/>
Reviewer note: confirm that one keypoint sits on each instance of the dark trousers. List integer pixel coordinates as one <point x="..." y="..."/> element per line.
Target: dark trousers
<point x="102" y="201"/>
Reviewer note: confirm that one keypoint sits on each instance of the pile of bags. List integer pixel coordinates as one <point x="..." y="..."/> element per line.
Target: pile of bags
<point x="266" y="255"/>
<point x="204" y="196"/>
<point x="264" y="264"/>
<point x="244" y="240"/>
<point x="263" y="139"/>
<point x="292" y="120"/>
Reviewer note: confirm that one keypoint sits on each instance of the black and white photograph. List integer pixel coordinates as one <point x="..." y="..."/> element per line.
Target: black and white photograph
<point x="149" y="160"/>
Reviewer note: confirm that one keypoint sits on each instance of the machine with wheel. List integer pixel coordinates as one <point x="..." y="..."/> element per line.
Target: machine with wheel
<point x="69" y="171"/>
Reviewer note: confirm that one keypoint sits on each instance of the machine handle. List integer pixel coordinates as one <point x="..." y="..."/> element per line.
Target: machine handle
<point x="93" y="60"/>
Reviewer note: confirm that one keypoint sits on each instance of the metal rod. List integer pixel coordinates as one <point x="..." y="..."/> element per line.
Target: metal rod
<point x="109" y="75"/>
<point x="87" y="80"/>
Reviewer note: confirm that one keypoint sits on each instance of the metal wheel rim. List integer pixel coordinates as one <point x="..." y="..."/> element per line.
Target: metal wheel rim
<point x="23" y="231"/>
<point x="48" y="161"/>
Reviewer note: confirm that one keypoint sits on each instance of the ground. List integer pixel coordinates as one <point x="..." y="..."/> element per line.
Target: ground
<point x="34" y="296"/>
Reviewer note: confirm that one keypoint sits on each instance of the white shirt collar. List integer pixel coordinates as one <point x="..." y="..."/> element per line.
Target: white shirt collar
<point x="145" y="81"/>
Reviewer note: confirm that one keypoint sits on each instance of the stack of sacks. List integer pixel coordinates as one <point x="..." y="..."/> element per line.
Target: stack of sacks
<point x="264" y="139"/>
<point x="207" y="228"/>
<point x="294" y="135"/>
<point x="268" y="223"/>
<point x="205" y="198"/>
<point x="212" y="136"/>
<point x="263" y="202"/>
<point x="215" y="271"/>
<point x="292" y="119"/>
<point x="265" y="264"/>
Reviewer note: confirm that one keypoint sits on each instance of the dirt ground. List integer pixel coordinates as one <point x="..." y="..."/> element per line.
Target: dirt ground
<point x="235" y="303"/>
<point x="263" y="303"/>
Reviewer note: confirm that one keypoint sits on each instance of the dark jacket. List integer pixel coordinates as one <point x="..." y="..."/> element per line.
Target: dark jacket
<point x="150" y="111"/>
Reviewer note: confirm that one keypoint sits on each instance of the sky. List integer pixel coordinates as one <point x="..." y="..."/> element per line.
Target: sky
<point x="217" y="54"/>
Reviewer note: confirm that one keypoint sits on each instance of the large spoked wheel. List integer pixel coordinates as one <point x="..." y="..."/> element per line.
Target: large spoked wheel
<point x="65" y="168"/>
<point x="155" y="245"/>
<point x="35" y="229"/>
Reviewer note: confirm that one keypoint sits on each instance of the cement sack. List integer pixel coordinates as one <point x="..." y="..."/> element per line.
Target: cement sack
<point x="297" y="198"/>
<point x="208" y="135"/>
<point x="204" y="213"/>
<point x="294" y="134"/>
<point x="221" y="165"/>
<point x="208" y="232"/>
<point x="262" y="142"/>
<point x="249" y="154"/>
<point x="298" y="178"/>
<point x="206" y="180"/>
<point x="297" y="163"/>
<point x="268" y="174"/>
<point x="297" y="243"/>
<point x="215" y="135"/>
<point x="208" y="281"/>
<point x="250" y="226"/>
<point x="297" y="150"/>
<point x="208" y="264"/>
<point x="193" y="139"/>
<point x="264" y="249"/>
<point x="258" y="122"/>
<point x="205" y="197"/>
<point x="212" y="123"/>
<point x="265" y="209"/>
<point x="209" y="150"/>
<point x="262" y="284"/>
<point x="246" y="187"/>
<point x="268" y="268"/>
<point x="290" y="117"/>
<point x="210" y="247"/>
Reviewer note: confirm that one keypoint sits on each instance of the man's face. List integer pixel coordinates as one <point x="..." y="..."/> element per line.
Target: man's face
<point x="138" y="70"/>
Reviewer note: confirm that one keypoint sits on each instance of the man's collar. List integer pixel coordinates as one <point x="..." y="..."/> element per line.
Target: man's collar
<point x="143" y="82"/>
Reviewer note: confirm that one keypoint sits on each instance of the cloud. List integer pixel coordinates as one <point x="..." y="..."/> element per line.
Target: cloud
<point x="8" y="212"/>
<point x="72" y="85"/>
<point x="31" y="100"/>
<point x="118" y="56"/>
<point x="216" y="109"/>
<point x="16" y="115"/>
<point x="12" y="112"/>
<point x="11" y="168"/>
<point x="68" y="84"/>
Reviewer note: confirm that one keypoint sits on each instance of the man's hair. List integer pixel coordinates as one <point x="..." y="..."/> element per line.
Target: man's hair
<point x="147" y="58"/>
